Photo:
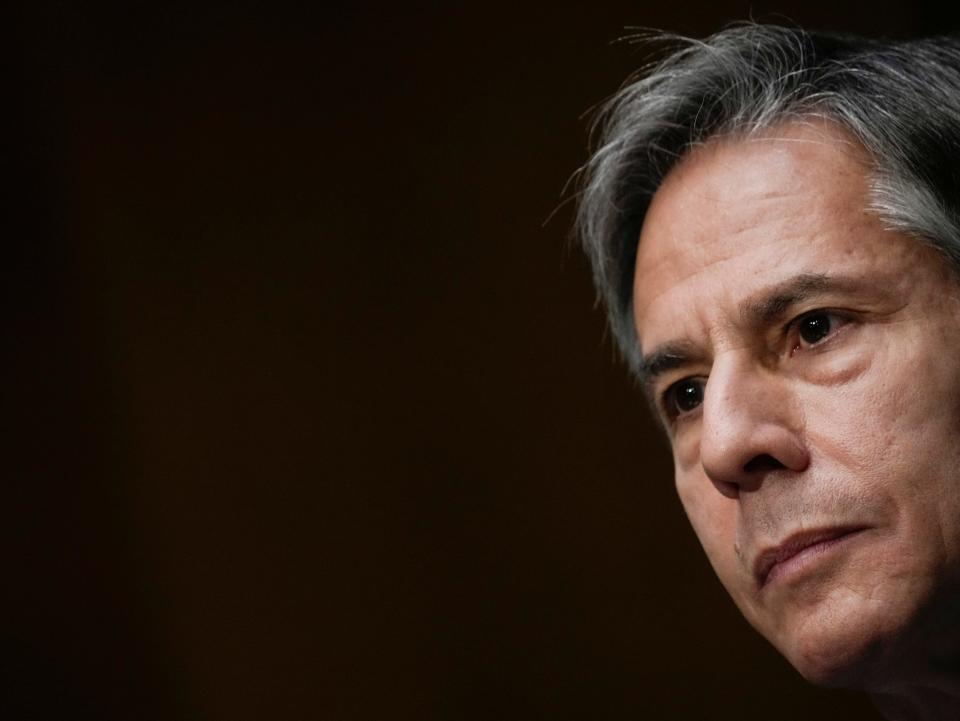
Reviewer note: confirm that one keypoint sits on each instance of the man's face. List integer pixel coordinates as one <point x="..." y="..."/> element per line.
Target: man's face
<point x="806" y="363"/>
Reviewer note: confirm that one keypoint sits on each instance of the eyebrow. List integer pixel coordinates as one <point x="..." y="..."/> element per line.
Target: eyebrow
<point x="774" y="303"/>
<point x="668" y="357"/>
<point x="779" y="299"/>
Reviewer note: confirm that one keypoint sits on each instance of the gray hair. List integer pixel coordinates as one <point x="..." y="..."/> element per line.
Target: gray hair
<point x="901" y="100"/>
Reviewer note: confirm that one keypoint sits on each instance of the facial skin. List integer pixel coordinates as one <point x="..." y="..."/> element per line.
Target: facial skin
<point x="827" y="352"/>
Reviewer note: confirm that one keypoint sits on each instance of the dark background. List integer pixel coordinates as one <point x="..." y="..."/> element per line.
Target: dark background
<point x="312" y="414"/>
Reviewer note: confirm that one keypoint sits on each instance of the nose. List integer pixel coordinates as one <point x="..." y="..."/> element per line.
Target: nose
<point x="751" y="426"/>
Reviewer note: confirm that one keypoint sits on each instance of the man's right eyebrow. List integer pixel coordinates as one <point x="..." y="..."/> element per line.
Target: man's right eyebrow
<point x="665" y="358"/>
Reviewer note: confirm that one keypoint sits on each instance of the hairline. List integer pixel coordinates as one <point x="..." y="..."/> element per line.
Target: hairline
<point x="670" y="127"/>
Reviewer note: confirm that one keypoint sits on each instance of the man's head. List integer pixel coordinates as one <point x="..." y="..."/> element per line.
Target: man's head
<point x="772" y="219"/>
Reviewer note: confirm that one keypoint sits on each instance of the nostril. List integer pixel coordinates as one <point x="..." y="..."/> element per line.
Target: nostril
<point x="763" y="462"/>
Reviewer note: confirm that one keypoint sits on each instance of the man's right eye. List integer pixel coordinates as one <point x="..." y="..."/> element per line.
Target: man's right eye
<point x="684" y="396"/>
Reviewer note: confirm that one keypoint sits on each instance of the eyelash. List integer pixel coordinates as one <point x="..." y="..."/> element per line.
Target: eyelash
<point x="668" y="399"/>
<point x="791" y="330"/>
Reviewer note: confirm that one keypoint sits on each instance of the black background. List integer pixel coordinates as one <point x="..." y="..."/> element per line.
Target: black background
<point x="313" y="416"/>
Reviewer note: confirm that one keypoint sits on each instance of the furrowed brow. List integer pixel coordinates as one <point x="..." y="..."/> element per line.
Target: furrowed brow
<point x="773" y="304"/>
<point x="779" y="299"/>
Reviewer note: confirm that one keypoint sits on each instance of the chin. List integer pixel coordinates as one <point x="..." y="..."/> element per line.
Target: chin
<point x="833" y="667"/>
<point x="842" y="651"/>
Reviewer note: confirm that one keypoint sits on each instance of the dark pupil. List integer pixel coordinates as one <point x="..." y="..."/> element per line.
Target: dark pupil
<point x="814" y="328"/>
<point x="689" y="395"/>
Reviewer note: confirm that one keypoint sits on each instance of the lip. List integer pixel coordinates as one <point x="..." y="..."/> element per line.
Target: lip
<point x="806" y="543"/>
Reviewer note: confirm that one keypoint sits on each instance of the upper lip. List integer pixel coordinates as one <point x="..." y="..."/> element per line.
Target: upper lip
<point x="793" y="545"/>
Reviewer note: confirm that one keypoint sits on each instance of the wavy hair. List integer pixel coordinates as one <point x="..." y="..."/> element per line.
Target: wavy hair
<point x="901" y="100"/>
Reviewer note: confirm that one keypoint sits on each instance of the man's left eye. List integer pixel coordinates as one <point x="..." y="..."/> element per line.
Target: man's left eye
<point x="813" y="328"/>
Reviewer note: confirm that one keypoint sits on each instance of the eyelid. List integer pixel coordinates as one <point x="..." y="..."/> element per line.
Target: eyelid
<point x="666" y="401"/>
<point x="663" y="400"/>
<point x="792" y="328"/>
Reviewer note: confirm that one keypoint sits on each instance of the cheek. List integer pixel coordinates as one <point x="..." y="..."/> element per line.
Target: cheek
<point x="920" y="425"/>
<point x="892" y="432"/>
<point x="686" y="453"/>
<point x="714" y="519"/>
<point x="902" y="399"/>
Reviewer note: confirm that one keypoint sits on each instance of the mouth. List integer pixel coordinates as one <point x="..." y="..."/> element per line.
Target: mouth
<point x="797" y="550"/>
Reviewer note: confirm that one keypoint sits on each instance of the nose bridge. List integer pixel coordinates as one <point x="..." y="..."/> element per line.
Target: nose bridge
<point x="748" y="426"/>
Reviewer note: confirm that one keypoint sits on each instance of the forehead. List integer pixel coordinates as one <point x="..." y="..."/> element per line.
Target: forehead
<point x="739" y="214"/>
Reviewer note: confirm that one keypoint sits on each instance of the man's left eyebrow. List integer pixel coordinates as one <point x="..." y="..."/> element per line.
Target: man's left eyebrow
<point x="778" y="300"/>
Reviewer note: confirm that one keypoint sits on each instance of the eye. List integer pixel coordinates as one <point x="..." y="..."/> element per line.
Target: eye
<point x="683" y="396"/>
<point x="815" y="327"/>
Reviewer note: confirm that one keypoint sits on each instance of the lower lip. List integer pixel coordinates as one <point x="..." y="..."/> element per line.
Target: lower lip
<point x="806" y="558"/>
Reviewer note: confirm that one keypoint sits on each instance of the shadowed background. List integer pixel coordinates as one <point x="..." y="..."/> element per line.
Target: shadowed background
<point x="313" y="416"/>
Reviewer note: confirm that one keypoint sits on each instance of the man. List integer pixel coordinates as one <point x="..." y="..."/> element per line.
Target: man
<point x="773" y="219"/>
